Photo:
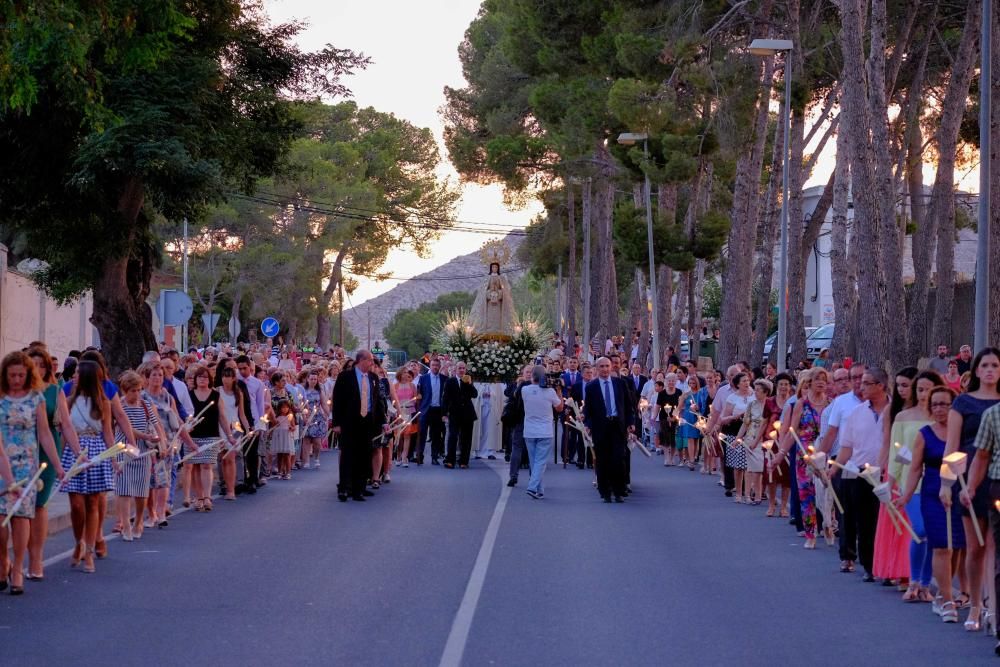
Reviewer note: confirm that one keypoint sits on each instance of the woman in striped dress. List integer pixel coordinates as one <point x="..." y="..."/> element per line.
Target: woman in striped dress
<point x="206" y="403"/>
<point x="163" y="461"/>
<point x="133" y="472"/>
<point x="90" y="414"/>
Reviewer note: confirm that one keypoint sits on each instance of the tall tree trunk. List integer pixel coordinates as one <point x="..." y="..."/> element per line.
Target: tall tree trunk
<point x="889" y="228"/>
<point x="993" y="325"/>
<point x="858" y="125"/>
<point x="604" y="203"/>
<point x="845" y="296"/>
<point x="323" y="307"/>
<point x="765" y="253"/>
<point x="735" y="318"/>
<point x="571" y="291"/>
<point x="123" y="319"/>
<point x="664" y="302"/>
<point x="596" y="262"/>
<point x="943" y="194"/>
<point x="667" y="213"/>
<point x="796" y="336"/>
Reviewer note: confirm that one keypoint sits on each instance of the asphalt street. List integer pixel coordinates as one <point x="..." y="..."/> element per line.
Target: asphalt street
<point x="436" y="571"/>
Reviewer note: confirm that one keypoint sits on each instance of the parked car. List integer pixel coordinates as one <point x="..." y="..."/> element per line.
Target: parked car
<point x="769" y="343"/>
<point x="819" y="339"/>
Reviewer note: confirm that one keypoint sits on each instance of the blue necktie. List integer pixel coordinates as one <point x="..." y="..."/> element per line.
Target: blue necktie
<point x="607" y="397"/>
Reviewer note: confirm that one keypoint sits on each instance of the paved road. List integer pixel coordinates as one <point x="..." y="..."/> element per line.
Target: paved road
<point x="675" y="576"/>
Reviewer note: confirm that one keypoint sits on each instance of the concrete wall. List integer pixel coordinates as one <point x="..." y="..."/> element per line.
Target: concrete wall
<point x="27" y="314"/>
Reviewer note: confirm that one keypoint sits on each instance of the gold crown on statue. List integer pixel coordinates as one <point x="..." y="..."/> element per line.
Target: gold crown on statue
<point x="495" y="252"/>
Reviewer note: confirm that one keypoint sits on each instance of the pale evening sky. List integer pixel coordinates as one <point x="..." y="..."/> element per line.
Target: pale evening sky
<point x="414" y="49"/>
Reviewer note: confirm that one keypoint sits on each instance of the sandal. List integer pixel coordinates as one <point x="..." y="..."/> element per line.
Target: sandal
<point x="924" y="595"/>
<point x="101" y="549"/>
<point x="948" y="613"/>
<point x="6" y="578"/>
<point x="198" y="506"/>
<point x="770" y="512"/>
<point x="912" y="593"/>
<point x="208" y="504"/>
<point x="962" y="600"/>
<point x="88" y="562"/>
<point x="784" y="514"/>
<point x="77" y="556"/>
<point x="375" y="484"/>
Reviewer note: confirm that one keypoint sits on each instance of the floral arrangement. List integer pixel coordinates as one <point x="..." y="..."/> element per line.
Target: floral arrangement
<point x="489" y="360"/>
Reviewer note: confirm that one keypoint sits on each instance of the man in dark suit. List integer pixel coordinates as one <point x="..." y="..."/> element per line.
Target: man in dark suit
<point x="431" y="386"/>
<point x="358" y="416"/>
<point x="609" y="415"/>
<point x="460" y="413"/>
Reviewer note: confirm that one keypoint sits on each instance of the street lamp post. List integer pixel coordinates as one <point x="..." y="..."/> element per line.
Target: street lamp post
<point x="981" y="338"/>
<point x="770" y="47"/>
<point x="630" y="139"/>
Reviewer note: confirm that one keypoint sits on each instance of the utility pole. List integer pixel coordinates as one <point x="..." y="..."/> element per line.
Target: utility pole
<point x="586" y="277"/>
<point x="184" y="329"/>
<point x="559" y="301"/>
<point x="369" y="326"/>
<point x="983" y="229"/>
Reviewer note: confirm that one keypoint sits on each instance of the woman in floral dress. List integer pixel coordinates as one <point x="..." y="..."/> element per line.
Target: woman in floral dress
<point x="806" y="421"/>
<point x="24" y="425"/>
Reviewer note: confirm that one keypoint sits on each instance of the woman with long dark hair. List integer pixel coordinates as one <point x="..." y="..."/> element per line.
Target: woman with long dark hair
<point x="892" y="547"/>
<point x="90" y="414"/>
<point x="963" y="425"/>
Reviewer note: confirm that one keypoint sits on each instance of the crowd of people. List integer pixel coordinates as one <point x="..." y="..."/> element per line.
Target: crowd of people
<point x="901" y="474"/>
<point x="178" y="430"/>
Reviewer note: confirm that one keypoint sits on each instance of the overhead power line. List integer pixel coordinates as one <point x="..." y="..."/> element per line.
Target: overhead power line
<point x="514" y="269"/>
<point x="321" y="210"/>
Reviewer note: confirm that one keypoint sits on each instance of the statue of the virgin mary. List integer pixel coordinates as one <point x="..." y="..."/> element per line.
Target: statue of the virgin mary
<point x="492" y="315"/>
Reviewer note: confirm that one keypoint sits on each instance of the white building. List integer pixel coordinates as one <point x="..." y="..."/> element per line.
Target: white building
<point x="819" y="309"/>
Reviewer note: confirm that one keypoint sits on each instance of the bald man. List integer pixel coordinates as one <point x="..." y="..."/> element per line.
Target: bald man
<point x="358" y="416"/>
<point x="609" y="416"/>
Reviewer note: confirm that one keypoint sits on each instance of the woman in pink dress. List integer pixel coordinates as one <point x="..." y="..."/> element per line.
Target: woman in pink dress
<point x="891" y="561"/>
<point x="409" y="399"/>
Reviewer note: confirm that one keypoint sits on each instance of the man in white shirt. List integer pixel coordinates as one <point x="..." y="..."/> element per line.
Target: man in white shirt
<point x="180" y="387"/>
<point x="256" y="392"/>
<point x="860" y="442"/>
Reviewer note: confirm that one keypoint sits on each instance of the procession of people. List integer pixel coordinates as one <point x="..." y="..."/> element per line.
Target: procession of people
<point x="852" y="458"/>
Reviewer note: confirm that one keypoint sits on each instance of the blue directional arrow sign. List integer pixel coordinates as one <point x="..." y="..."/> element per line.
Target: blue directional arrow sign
<point x="269" y="327"/>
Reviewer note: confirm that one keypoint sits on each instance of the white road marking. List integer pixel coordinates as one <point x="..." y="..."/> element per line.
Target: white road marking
<point x="460" y="627"/>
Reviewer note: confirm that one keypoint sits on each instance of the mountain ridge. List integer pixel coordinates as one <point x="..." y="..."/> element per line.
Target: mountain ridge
<point x="463" y="273"/>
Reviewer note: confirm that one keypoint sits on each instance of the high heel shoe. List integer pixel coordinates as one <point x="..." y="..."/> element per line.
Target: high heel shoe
<point x="974" y="623"/>
<point x="77" y="556"/>
<point x="101" y="549"/>
<point x="88" y="561"/>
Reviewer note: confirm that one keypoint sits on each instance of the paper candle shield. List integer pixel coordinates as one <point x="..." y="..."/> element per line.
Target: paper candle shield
<point x="852" y="467"/>
<point x="904" y="455"/>
<point x="957" y="462"/>
<point x="819" y="460"/>
<point x="884" y="492"/>
<point x="948" y="476"/>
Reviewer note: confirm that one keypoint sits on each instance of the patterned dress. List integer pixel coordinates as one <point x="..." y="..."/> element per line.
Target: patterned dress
<point x="808" y="431"/>
<point x="20" y="441"/>
<point x="754" y="419"/>
<point x="317" y="422"/>
<point x="161" y="470"/>
<point x="132" y="480"/>
<point x="97" y="478"/>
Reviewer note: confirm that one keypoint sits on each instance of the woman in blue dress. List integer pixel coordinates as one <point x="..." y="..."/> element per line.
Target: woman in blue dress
<point x="963" y="425"/>
<point x="694" y="404"/>
<point x="928" y="451"/>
